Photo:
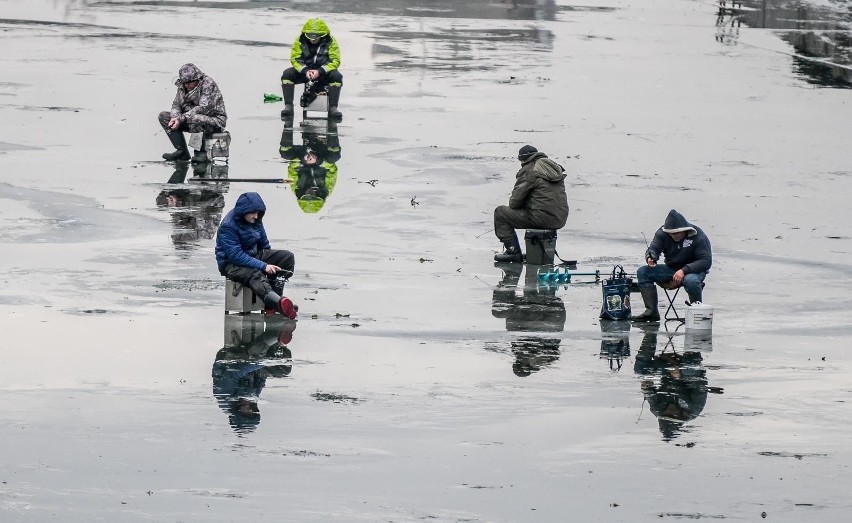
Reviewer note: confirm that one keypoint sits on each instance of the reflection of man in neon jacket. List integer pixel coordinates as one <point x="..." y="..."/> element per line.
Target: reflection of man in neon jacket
<point x="312" y="166"/>
<point x="315" y="57"/>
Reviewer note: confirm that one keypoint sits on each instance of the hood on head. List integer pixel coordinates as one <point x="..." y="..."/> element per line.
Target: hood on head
<point x="188" y="73"/>
<point x="316" y="25"/>
<point x="311" y="205"/>
<point x="675" y="222"/>
<point x="249" y="202"/>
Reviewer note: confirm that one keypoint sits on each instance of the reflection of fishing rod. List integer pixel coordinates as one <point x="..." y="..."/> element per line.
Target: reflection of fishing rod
<point x="242" y="180"/>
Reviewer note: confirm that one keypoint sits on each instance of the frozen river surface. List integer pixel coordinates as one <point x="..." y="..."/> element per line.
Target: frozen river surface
<point x="421" y="382"/>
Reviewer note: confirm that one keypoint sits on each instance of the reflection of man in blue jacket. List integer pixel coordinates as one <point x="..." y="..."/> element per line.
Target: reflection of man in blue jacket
<point x="243" y="254"/>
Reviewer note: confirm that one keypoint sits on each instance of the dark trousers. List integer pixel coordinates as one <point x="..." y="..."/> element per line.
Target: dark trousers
<point x="292" y="76"/>
<point x="197" y="123"/>
<point x="258" y="281"/>
<point x="506" y="220"/>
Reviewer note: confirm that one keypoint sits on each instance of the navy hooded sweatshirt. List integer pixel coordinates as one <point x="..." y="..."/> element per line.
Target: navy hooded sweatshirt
<point x="692" y="253"/>
<point x="237" y="241"/>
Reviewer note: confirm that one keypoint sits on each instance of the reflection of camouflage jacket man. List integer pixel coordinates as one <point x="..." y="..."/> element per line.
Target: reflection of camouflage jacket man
<point x="315" y="57"/>
<point x="198" y="107"/>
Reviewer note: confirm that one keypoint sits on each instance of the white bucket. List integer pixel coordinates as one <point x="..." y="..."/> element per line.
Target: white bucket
<point x="699" y="317"/>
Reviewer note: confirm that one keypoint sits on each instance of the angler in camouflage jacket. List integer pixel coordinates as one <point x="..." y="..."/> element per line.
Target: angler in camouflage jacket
<point x="198" y="108"/>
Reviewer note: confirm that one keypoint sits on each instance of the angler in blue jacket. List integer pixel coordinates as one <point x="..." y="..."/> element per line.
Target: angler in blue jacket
<point x="243" y="254"/>
<point x="687" y="259"/>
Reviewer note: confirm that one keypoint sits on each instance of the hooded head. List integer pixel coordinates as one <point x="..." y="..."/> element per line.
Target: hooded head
<point x="315" y="29"/>
<point x="526" y="152"/>
<point x="675" y="223"/>
<point x="188" y="73"/>
<point x="249" y="202"/>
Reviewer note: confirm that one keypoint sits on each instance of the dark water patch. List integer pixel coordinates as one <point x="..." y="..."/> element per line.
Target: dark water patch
<point x="796" y="455"/>
<point x="146" y="37"/>
<point x="696" y="515"/>
<point x="7" y="147"/>
<point x="746" y="414"/>
<point x="92" y="312"/>
<point x="305" y="454"/>
<point x="103" y="32"/>
<point x="476" y="9"/>
<point x="455" y="49"/>
<point x="334" y="397"/>
<point x="48" y="108"/>
<point x="190" y="285"/>
<point x="819" y="36"/>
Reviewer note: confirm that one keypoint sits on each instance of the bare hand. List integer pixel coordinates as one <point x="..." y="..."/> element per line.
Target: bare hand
<point x="174" y="123"/>
<point x="651" y="262"/>
<point x="313" y="74"/>
<point x="271" y="269"/>
<point x="678" y="277"/>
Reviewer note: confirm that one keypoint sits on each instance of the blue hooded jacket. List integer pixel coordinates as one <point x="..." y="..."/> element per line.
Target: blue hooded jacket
<point x="237" y="241"/>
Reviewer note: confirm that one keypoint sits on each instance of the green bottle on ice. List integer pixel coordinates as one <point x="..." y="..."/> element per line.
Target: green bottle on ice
<point x="271" y="97"/>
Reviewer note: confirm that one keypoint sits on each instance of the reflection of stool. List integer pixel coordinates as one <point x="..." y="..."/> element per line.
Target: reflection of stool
<point x="240" y="298"/>
<point x="541" y="246"/>
<point x="319" y="105"/>
<point x="218" y="145"/>
<point x="243" y="329"/>
<point x="672" y="297"/>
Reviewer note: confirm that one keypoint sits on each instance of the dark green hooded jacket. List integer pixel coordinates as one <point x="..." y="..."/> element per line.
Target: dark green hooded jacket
<point x="541" y="192"/>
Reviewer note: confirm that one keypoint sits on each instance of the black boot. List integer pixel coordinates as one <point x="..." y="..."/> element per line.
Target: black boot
<point x="649" y="297"/>
<point x="181" y="153"/>
<point x="333" y="101"/>
<point x="200" y="155"/>
<point x="512" y="253"/>
<point x="289" y="90"/>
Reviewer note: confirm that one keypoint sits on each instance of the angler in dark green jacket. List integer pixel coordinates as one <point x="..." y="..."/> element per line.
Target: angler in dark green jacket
<point x="538" y="201"/>
<point x="315" y="59"/>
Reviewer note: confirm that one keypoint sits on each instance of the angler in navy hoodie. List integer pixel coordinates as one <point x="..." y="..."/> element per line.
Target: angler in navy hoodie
<point x="687" y="259"/>
<point x="243" y="254"/>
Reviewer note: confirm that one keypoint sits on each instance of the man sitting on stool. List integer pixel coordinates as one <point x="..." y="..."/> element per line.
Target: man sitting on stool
<point x="198" y="107"/>
<point x="243" y="254"/>
<point x="687" y="259"/>
<point x="538" y="201"/>
<point x="315" y="57"/>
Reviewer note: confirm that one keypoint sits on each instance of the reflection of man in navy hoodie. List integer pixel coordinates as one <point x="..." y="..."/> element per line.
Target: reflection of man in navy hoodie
<point x="243" y="254"/>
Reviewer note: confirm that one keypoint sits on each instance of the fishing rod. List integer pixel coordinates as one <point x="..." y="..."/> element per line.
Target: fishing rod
<point x="242" y="180"/>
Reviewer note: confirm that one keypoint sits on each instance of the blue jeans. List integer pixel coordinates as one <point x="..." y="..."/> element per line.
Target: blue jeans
<point x="662" y="273"/>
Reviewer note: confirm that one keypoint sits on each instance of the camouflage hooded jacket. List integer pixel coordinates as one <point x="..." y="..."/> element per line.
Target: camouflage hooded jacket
<point x="205" y="99"/>
<point x="324" y="55"/>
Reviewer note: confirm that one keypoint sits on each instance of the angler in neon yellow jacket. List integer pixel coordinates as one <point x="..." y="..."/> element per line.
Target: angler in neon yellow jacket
<point x="315" y="60"/>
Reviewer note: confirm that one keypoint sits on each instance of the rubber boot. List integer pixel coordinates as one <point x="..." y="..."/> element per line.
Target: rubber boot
<point x="200" y="155"/>
<point x="274" y="302"/>
<point x="333" y="101"/>
<point x="649" y="297"/>
<point x="289" y="91"/>
<point x="181" y="153"/>
<point x="512" y="252"/>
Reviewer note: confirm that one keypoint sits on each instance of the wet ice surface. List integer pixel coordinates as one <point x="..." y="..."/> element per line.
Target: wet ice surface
<point x="421" y="382"/>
